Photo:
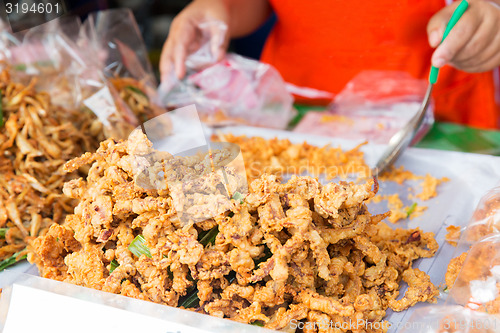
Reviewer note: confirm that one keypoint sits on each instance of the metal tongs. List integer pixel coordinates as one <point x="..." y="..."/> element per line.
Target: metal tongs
<point x="402" y="139"/>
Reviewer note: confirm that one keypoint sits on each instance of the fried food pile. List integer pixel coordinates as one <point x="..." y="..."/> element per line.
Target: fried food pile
<point x="298" y="251"/>
<point x="36" y="139"/>
<point x="281" y="157"/>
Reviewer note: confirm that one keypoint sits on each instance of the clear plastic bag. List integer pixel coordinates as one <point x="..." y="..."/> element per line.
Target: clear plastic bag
<point x="449" y="319"/>
<point x="233" y="90"/>
<point x="477" y="286"/>
<point x="49" y="53"/>
<point x="483" y="228"/>
<point x="373" y="106"/>
<point x="100" y="64"/>
<point x="486" y="218"/>
<point x="111" y="38"/>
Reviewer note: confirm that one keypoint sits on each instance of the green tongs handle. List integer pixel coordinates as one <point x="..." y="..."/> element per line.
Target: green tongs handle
<point x="457" y="14"/>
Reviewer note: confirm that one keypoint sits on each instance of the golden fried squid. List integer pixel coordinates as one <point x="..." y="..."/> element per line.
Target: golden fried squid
<point x="298" y="251"/>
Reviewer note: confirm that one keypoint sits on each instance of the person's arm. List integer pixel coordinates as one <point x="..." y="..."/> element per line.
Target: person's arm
<point x="246" y="16"/>
<point x="473" y="45"/>
<point x="241" y="17"/>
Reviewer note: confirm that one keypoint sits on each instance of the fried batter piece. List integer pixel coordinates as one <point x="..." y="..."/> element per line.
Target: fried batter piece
<point x="453" y="234"/>
<point x="281" y="157"/>
<point x="420" y="289"/>
<point x="454" y="268"/>
<point x="292" y="251"/>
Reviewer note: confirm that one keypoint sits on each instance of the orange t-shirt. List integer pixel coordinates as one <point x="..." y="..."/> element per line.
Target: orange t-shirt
<point x="323" y="44"/>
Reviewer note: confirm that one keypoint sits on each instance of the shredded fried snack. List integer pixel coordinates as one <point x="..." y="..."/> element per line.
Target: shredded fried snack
<point x="299" y="250"/>
<point x="400" y="175"/>
<point x="453" y="234"/>
<point x="36" y="139"/>
<point x="454" y="268"/>
<point x="429" y="186"/>
<point x="281" y="157"/>
<point x="397" y="208"/>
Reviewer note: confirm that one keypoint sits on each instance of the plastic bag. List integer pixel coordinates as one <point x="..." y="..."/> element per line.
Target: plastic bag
<point x="477" y="286"/>
<point x="448" y="319"/>
<point x="233" y="90"/>
<point x="486" y="218"/>
<point x="111" y="38"/>
<point x="100" y="64"/>
<point x="49" y="53"/>
<point x="128" y="84"/>
<point x="373" y="106"/>
<point x="484" y="223"/>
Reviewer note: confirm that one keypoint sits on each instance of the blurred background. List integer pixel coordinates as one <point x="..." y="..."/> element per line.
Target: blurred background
<point x="155" y="17"/>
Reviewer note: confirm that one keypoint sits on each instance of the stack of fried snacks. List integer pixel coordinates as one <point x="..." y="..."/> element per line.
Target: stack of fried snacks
<point x="36" y="140"/>
<point x="297" y="251"/>
<point x="280" y="157"/>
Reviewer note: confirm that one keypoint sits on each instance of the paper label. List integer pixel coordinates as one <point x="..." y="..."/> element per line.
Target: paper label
<point x="102" y="104"/>
<point x="34" y="310"/>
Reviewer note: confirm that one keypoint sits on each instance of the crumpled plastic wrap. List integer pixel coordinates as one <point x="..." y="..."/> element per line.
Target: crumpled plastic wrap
<point x="477" y="286"/>
<point x="448" y="319"/>
<point x="473" y="278"/>
<point x="486" y="218"/>
<point x="373" y="106"/>
<point x="483" y="226"/>
<point x="86" y="64"/>
<point x="233" y="90"/>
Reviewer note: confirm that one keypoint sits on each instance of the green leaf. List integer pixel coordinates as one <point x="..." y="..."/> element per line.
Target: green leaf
<point x="137" y="91"/>
<point x="237" y="196"/>
<point x="257" y="323"/>
<point x="113" y="265"/>
<point x="231" y="277"/>
<point x="169" y="272"/>
<point x="210" y="236"/>
<point x="20" y="67"/>
<point x="191" y="300"/>
<point x="3" y="231"/>
<point x="203" y="233"/>
<point x="1" y="110"/>
<point x="11" y="261"/>
<point x="411" y="209"/>
<point x="138" y="248"/>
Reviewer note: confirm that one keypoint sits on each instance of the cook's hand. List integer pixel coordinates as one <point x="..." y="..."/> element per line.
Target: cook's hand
<point x="185" y="36"/>
<point x="473" y="45"/>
